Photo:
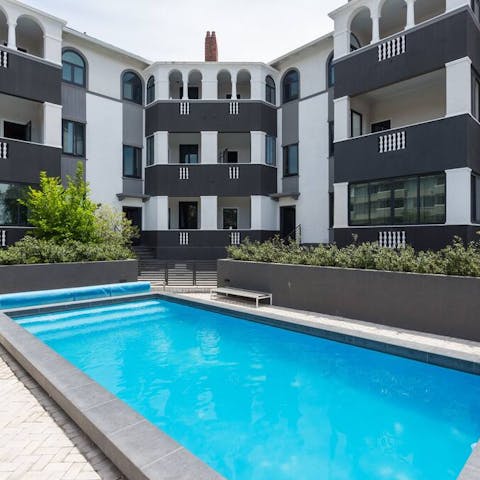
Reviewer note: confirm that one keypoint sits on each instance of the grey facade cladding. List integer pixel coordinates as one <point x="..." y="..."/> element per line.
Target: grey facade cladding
<point x="435" y="146"/>
<point x="32" y="79"/>
<point x="206" y="179"/>
<point x="74" y="103"/>
<point x="132" y="124"/>
<point x="428" y="48"/>
<point x="13" y="234"/>
<point x="26" y="160"/>
<point x="211" y="116"/>
<point x="421" y="237"/>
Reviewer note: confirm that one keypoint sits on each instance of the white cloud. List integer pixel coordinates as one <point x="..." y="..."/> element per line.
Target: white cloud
<point x="253" y="30"/>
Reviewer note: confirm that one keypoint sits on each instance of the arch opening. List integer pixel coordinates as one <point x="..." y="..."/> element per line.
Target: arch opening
<point x="29" y="36"/>
<point x="224" y="85"/>
<point x="361" y="29"/>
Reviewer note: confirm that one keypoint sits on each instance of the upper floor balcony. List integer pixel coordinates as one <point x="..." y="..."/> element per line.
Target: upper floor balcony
<point x="395" y="40"/>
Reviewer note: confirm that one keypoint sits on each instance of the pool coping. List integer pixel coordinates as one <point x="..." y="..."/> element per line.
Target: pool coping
<point x="134" y="444"/>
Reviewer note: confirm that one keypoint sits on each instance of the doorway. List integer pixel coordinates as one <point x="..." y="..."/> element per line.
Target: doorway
<point x="288" y="222"/>
<point x="134" y="214"/>
<point x="17" y="131"/>
<point x="187" y="215"/>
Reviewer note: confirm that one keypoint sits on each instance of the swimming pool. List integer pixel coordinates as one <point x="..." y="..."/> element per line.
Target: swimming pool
<point x="258" y="402"/>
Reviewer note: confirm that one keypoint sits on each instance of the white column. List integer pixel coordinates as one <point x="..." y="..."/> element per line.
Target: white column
<point x="185" y="88"/>
<point x="162" y="88"/>
<point x="12" y="35"/>
<point x="160" y="141"/>
<point x="340" y="197"/>
<point x="209" y="85"/>
<point x="209" y="147"/>
<point x="459" y="86"/>
<point x="257" y="146"/>
<point x="208" y="213"/>
<point x="156" y="214"/>
<point x="375" y="28"/>
<point x="257" y="86"/>
<point x="459" y="196"/>
<point x="52" y="124"/>
<point x="410" y="14"/>
<point x="264" y="213"/>
<point x="341" y="43"/>
<point x="342" y="118"/>
<point x="52" y="48"/>
<point x="234" y="85"/>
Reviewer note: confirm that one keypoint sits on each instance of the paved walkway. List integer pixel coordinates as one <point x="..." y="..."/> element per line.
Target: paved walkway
<point x="37" y="440"/>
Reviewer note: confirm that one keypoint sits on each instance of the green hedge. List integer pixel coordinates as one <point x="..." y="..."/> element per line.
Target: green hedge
<point x="456" y="259"/>
<point x="34" y="250"/>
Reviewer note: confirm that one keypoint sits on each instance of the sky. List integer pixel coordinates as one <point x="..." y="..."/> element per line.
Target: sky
<point x="247" y="30"/>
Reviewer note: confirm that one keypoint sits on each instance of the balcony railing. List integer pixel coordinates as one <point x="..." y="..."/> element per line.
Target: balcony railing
<point x="391" y="142"/>
<point x="392" y="240"/>
<point x="3" y="59"/>
<point x="3" y="150"/>
<point x="391" y="48"/>
<point x="3" y="238"/>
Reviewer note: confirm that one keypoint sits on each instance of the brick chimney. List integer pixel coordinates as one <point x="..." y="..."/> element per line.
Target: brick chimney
<point x="211" y="49"/>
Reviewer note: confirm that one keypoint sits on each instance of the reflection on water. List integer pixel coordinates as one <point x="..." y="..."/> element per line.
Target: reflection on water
<point x="259" y="403"/>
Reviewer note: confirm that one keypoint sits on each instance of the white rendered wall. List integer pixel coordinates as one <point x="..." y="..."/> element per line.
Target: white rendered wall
<point x="208" y="207"/>
<point x="459" y="86"/>
<point x="242" y="204"/>
<point x="160" y="148"/>
<point x="235" y="142"/>
<point x="104" y="134"/>
<point x="340" y="219"/>
<point x="264" y="213"/>
<point x="156" y="214"/>
<point x="258" y="145"/>
<point x="177" y="139"/>
<point x="18" y="110"/>
<point x="342" y="118"/>
<point x="209" y="147"/>
<point x="52" y="124"/>
<point x="459" y="196"/>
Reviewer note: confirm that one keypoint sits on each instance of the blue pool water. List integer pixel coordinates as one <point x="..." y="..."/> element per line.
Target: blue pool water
<point x="261" y="403"/>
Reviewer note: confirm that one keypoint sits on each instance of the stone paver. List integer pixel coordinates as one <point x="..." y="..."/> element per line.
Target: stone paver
<point x="354" y="326"/>
<point x="38" y="441"/>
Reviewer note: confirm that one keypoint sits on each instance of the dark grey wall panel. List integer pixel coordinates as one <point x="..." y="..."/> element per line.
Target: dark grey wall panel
<point x="427" y="237"/>
<point x="452" y="142"/>
<point x="210" y="180"/>
<point x="428" y="48"/>
<point x="290" y="132"/>
<point x="69" y="166"/>
<point x="203" y="245"/>
<point x="430" y="303"/>
<point x="13" y="234"/>
<point x="26" y="160"/>
<point x="290" y="184"/>
<point x="23" y="278"/>
<point x="74" y="103"/>
<point x="132" y="186"/>
<point x="211" y="116"/>
<point x="29" y="78"/>
<point x="132" y="124"/>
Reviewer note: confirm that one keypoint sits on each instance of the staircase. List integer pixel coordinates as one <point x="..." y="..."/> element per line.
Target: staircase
<point x="181" y="273"/>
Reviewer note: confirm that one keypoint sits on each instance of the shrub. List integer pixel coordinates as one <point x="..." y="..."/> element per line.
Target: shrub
<point x="455" y="259"/>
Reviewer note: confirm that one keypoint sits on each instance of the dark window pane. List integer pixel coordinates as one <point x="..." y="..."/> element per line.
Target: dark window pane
<point x="291" y="86"/>
<point x="230" y="218"/>
<point x="380" y="203"/>
<point x="11" y="212"/>
<point x="150" y="151"/>
<point x="151" y="90"/>
<point x="271" y="150"/>
<point x="68" y="137"/>
<point x="290" y="160"/>
<point x="432" y="199"/>
<point x="73" y="138"/>
<point x="405" y="209"/>
<point x="359" y="204"/>
<point x="132" y="87"/>
<point x="188" y="154"/>
<point x="356" y="121"/>
<point x="73" y="70"/>
<point x="132" y="158"/>
<point x="270" y="93"/>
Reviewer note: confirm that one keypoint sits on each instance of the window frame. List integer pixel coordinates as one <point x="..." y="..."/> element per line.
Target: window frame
<point x="76" y="127"/>
<point x="137" y="159"/>
<point x="286" y="86"/>
<point x="273" y="140"/>
<point x="188" y="146"/>
<point x="151" y="90"/>
<point x="360" y="115"/>
<point x="138" y="89"/>
<point x="236" y="217"/>
<point x="72" y="67"/>
<point x="330" y="72"/>
<point x="21" y="211"/>
<point x="391" y="182"/>
<point x="270" y="90"/>
<point x="286" y="161"/>
<point x="150" y="151"/>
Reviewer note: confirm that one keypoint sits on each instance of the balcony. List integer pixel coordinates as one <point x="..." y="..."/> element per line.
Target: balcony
<point x="210" y="179"/>
<point x="22" y="161"/>
<point x="432" y="146"/>
<point x="26" y="76"/>
<point x="422" y="49"/>
<point x="185" y="116"/>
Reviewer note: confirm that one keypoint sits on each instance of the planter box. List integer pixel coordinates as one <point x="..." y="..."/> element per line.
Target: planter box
<point x="435" y="304"/>
<point x="47" y="276"/>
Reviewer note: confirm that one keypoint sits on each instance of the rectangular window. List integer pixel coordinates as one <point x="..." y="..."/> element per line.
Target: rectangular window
<point x="17" y="131"/>
<point x="11" y="212"/>
<point x="356" y="123"/>
<point x="188" y="154"/>
<point x="187" y="215"/>
<point x="331" y="139"/>
<point x="73" y="140"/>
<point x="132" y="162"/>
<point x="475" y="199"/>
<point x="270" y="150"/>
<point x="232" y="157"/>
<point x="290" y="160"/>
<point x="230" y="219"/>
<point x="476" y="99"/>
<point x="150" y="150"/>
<point x="398" y="201"/>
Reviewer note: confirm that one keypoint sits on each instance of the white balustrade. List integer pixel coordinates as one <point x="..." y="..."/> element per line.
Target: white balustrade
<point x="234" y="173"/>
<point x="235" y="238"/>
<point x="3" y="150"/>
<point x="3" y="59"/>
<point x="392" y="142"/>
<point x="391" y="48"/>
<point x="184" y="108"/>
<point x="233" y="108"/>
<point x="184" y="173"/>
<point x="3" y="238"/>
<point x="184" y="238"/>
<point x="392" y="239"/>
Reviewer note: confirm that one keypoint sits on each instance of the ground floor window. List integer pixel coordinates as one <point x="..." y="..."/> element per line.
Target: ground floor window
<point x="230" y="218"/>
<point x="11" y="212"/>
<point x="398" y="201"/>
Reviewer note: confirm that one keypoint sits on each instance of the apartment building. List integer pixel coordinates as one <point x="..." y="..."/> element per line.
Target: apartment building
<point x="370" y="131"/>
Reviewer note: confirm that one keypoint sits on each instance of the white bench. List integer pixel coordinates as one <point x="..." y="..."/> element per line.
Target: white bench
<point x="239" y="292"/>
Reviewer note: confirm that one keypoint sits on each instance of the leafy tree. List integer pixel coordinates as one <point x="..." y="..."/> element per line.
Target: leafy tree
<point x="112" y="226"/>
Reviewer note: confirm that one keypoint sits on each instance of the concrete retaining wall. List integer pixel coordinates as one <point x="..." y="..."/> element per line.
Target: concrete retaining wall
<point x="435" y="304"/>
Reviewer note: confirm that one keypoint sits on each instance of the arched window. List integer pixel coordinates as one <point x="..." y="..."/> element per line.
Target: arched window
<point x="73" y="68"/>
<point x="132" y="87"/>
<point x="151" y="89"/>
<point x="291" y="86"/>
<point x="270" y="94"/>
<point x="330" y="72"/>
